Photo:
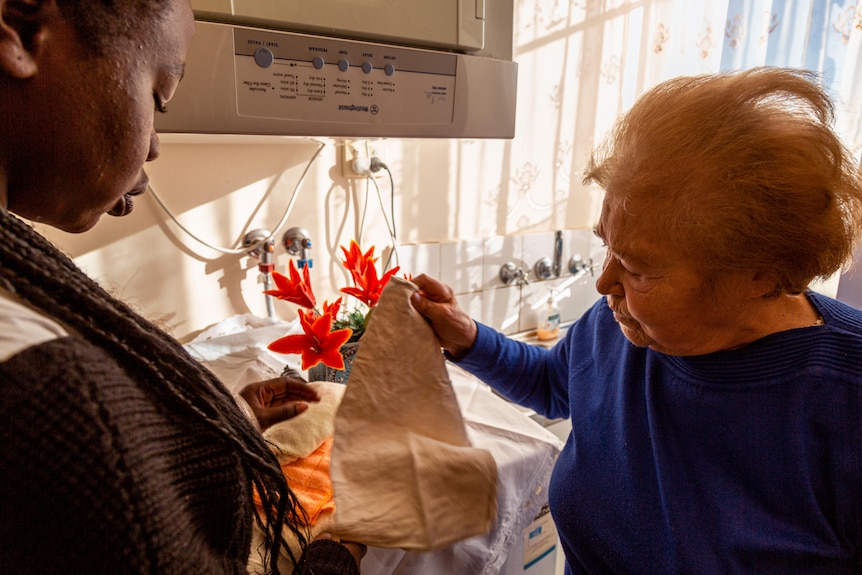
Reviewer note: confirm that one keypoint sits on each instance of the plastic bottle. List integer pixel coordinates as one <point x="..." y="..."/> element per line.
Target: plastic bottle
<point x="548" y="324"/>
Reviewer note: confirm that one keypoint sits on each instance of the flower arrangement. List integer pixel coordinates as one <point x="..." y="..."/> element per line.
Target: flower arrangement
<point x="326" y="330"/>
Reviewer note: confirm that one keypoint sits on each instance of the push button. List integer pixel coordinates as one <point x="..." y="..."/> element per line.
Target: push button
<point x="263" y="57"/>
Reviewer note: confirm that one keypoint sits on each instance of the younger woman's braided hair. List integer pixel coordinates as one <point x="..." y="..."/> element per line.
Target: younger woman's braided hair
<point x="50" y="281"/>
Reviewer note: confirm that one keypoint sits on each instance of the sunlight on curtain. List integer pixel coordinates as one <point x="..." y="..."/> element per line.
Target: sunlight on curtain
<point x="583" y="62"/>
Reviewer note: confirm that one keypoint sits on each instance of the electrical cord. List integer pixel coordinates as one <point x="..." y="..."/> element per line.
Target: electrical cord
<point x="361" y="228"/>
<point x="369" y="166"/>
<point x="281" y="221"/>
<point x="375" y="166"/>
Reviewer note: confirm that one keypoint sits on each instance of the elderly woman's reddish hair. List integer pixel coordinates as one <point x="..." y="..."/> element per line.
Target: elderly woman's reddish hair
<point x="742" y="171"/>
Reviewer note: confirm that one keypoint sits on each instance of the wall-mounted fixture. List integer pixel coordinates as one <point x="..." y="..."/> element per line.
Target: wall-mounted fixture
<point x="297" y="241"/>
<point x="509" y="273"/>
<point x="558" y="253"/>
<point x="579" y="267"/>
<point x="546" y="268"/>
<point x="261" y="245"/>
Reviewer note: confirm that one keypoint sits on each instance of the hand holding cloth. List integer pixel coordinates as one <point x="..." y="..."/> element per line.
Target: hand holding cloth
<point x="403" y="470"/>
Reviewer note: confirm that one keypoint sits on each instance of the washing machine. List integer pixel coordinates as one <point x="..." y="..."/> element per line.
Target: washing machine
<point x="538" y="551"/>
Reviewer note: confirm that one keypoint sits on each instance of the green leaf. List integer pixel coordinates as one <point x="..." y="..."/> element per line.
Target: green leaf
<point x="355" y="320"/>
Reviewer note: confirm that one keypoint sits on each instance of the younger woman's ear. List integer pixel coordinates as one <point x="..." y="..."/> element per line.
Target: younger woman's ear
<point x="22" y="30"/>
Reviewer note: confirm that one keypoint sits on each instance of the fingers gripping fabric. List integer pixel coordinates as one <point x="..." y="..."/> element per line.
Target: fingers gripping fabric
<point x="403" y="470"/>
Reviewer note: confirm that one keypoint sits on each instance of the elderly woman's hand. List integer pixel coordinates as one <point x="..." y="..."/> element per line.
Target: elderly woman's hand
<point x="456" y="331"/>
<point x="278" y="399"/>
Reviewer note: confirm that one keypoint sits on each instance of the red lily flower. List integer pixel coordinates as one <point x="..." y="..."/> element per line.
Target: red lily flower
<point x="318" y="344"/>
<point x="332" y="308"/>
<point x="295" y="290"/>
<point x="356" y="262"/>
<point x="367" y="287"/>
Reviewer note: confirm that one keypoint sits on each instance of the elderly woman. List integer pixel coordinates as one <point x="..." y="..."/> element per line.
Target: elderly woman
<point x="120" y="454"/>
<point x="716" y="403"/>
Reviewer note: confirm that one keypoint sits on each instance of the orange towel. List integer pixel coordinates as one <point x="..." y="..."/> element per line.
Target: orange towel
<point x="309" y="480"/>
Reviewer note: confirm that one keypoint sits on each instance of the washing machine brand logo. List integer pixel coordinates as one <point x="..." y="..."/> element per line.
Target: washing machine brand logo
<point x="354" y="108"/>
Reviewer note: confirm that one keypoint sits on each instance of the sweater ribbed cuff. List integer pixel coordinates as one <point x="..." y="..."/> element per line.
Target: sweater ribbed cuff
<point x="246" y="409"/>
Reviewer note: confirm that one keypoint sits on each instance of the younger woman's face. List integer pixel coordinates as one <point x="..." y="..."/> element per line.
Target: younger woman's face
<point x="90" y="126"/>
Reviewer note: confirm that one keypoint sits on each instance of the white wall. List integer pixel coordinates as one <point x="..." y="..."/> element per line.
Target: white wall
<point x="580" y="64"/>
<point x="220" y="188"/>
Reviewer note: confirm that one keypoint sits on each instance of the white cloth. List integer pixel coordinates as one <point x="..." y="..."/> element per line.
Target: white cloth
<point x="404" y="473"/>
<point x="21" y="326"/>
<point x="524" y="451"/>
<point x="235" y="349"/>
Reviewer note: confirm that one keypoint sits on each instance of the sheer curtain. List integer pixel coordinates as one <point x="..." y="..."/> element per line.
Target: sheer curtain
<point x="583" y="62"/>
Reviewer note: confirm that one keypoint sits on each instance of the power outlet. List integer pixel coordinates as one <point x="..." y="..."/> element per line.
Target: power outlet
<point x="354" y="154"/>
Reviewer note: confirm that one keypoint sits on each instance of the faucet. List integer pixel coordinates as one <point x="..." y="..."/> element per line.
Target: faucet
<point x="297" y="240"/>
<point x="579" y="267"/>
<point x="509" y="272"/>
<point x="261" y="245"/>
<point x="545" y="268"/>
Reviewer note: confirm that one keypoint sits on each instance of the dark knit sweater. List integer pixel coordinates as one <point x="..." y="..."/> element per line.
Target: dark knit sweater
<point x="106" y="468"/>
<point x="100" y="477"/>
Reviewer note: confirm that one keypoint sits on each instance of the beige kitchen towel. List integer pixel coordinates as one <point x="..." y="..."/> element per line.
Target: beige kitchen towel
<point x="403" y="470"/>
<point x="301" y="435"/>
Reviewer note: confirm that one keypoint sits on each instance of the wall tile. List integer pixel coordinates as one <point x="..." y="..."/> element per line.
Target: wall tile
<point x="498" y="251"/>
<point x="471" y="303"/>
<point x="580" y="286"/>
<point x="418" y="259"/>
<point x="472" y="269"/>
<point x="576" y="246"/>
<point x="536" y="247"/>
<point x="461" y="265"/>
<point x="579" y="294"/>
<point x="597" y="253"/>
<point x="573" y="293"/>
<point x="534" y="297"/>
<point x="501" y="309"/>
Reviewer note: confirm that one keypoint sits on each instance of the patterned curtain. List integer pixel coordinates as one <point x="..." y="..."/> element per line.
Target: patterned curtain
<point x="583" y="62"/>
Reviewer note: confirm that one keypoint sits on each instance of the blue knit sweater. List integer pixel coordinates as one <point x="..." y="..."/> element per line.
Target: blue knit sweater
<point x="742" y="461"/>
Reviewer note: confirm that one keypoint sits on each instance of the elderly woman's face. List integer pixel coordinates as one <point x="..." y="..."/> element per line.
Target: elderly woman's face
<point x="81" y="150"/>
<point x="656" y="293"/>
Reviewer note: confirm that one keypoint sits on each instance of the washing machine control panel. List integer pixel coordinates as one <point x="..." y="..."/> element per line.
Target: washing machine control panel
<point x="291" y="76"/>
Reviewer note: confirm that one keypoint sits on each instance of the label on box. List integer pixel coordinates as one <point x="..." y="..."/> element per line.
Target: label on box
<point x="540" y="538"/>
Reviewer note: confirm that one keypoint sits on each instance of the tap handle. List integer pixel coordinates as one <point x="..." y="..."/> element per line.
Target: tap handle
<point x="509" y="272"/>
<point x="297" y="240"/>
<point x="579" y="267"/>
